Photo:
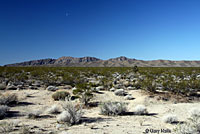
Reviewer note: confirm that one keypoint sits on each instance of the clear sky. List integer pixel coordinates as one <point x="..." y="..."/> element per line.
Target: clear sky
<point x="141" y="29"/>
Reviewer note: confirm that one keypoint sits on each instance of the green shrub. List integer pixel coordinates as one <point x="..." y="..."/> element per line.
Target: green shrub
<point x="84" y="93"/>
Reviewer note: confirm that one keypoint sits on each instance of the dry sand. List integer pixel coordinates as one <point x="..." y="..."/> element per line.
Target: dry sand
<point x="93" y="122"/>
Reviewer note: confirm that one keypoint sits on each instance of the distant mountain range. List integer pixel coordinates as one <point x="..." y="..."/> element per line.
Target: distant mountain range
<point x="114" y="62"/>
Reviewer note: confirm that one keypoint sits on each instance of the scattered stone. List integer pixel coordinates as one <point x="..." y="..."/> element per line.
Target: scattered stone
<point x="126" y="83"/>
<point x="120" y="92"/>
<point x="11" y="87"/>
<point x="51" y="88"/>
<point x="130" y="88"/>
<point x="67" y="87"/>
<point x="99" y="88"/>
<point x="129" y="97"/>
<point x="37" y="84"/>
<point x="112" y="89"/>
<point x="58" y="126"/>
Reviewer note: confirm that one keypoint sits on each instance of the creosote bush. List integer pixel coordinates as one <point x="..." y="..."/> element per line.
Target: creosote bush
<point x="71" y="115"/>
<point x="113" y="108"/>
<point x="61" y="95"/>
<point x="84" y="93"/>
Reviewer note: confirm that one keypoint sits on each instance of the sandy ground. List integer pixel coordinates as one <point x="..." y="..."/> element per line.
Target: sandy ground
<point x="93" y="122"/>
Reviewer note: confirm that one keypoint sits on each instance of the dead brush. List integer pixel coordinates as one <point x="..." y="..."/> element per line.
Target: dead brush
<point x="8" y="99"/>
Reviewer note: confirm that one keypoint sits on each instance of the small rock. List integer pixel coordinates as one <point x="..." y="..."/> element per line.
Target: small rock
<point x="51" y="88"/>
<point x="11" y="87"/>
<point x="130" y="88"/>
<point x="128" y="97"/>
<point x="99" y="88"/>
<point x="112" y="89"/>
<point x="67" y="87"/>
<point x="120" y="92"/>
<point x="58" y="126"/>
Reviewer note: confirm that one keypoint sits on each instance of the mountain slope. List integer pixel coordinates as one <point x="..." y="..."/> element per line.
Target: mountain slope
<point x="113" y="62"/>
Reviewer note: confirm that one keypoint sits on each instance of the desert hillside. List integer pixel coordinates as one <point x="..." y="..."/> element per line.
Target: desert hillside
<point x="113" y="62"/>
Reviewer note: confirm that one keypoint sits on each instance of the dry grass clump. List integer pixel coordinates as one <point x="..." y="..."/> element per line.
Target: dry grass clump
<point x="3" y="111"/>
<point x="61" y="95"/>
<point x="34" y="114"/>
<point x="192" y="125"/>
<point x="8" y="99"/>
<point x="170" y="118"/>
<point x="6" y="127"/>
<point x="140" y="110"/>
<point x="55" y="109"/>
<point x="24" y="130"/>
<point x="71" y="115"/>
<point x="113" y="108"/>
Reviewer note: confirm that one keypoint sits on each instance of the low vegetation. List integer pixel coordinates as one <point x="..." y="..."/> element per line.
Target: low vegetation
<point x="170" y="118"/>
<point x="71" y="115"/>
<point x="8" y="99"/>
<point x="140" y="110"/>
<point x="78" y="88"/>
<point x="113" y="108"/>
<point x="55" y="109"/>
<point x="34" y="114"/>
<point x="3" y="111"/>
<point x="61" y="95"/>
<point x="192" y="125"/>
<point x="84" y="93"/>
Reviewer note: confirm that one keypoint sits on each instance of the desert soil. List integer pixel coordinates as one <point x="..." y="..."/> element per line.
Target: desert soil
<point x="93" y="122"/>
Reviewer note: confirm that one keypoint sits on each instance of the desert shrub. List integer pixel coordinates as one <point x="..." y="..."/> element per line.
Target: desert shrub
<point x="34" y="114"/>
<point x="6" y="127"/>
<point x="194" y="113"/>
<point x="7" y="99"/>
<point x="71" y="115"/>
<point x="3" y="111"/>
<point x="55" y="109"/>
<point x="135" y="69"/>
<point x="149" y="85"/>
<point x="84" y="93"/>
<point x="2" y="86"/>
<point x="24" y="130"/>
<point x="192" y="125"/>
<point x="137" y="85"/>
<point x="170" y="118"/>
<point x="61" y="95"/>
<point x="113" y="108"/>
<point x="140" y="110"/>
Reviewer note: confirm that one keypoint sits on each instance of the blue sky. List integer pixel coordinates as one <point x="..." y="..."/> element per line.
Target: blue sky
<point x="141" y="29"/>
